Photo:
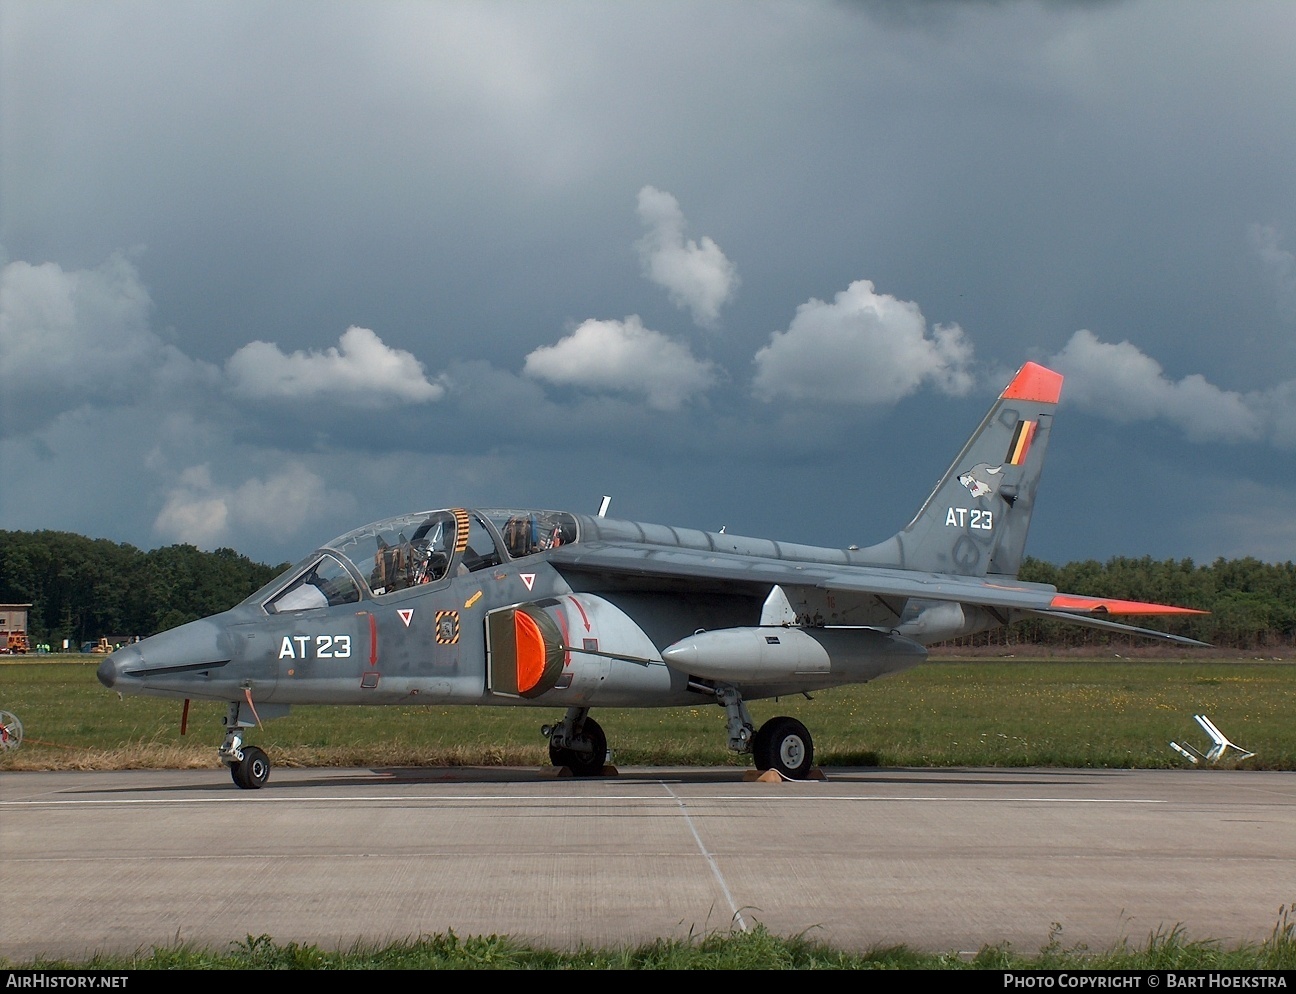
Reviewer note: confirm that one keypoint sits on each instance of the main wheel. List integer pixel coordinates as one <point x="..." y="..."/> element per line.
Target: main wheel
<point x="783" y="744"/>
<point x="253" y="771"/>
<point x="760" y="747"/>
<point x="583" y="763"/>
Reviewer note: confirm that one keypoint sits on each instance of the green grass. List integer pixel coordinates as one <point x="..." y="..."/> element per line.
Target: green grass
<point x="753" y="950"/>
<point x="1073" y="713"/>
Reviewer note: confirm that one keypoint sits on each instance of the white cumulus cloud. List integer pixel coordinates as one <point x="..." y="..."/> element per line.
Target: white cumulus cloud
<point x="205" y="513"/>
<point x="1122" y="383"/>
<point x="69" y="337"/>
<point x="623" y="356"/>
<point x="1279" y="266"/>
<point x="863" y="348"/>
<point x="696" y="275"/>
<point x="361" y="371"/>
<point x="54" y="321"/>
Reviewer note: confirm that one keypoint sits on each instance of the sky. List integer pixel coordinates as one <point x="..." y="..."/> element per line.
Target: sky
<point x="272" y="271"/>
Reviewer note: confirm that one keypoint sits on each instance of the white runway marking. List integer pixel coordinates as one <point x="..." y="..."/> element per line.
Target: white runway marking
<point x="735" y="914"/>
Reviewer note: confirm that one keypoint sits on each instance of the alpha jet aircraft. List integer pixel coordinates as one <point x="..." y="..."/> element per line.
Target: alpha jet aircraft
<point x="549" y="609"/>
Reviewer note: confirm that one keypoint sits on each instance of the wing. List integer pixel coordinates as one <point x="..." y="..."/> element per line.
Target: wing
<point x="864" y="595"/>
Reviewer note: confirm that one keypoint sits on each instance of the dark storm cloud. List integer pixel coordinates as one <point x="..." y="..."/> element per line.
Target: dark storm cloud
<point x="763" y="263"/>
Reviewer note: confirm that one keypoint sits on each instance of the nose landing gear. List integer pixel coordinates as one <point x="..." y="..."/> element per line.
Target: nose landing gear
<point x="577" y="743"/>
<point x="249" y="766"/>
<point x="253" y="770"/>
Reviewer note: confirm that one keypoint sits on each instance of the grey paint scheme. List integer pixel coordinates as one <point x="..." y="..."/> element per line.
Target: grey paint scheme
<point x="648" y="588"/>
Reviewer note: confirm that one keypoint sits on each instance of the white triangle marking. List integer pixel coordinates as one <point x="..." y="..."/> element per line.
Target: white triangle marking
<point x="406" y="613"/>
<point x="528" y="579"/>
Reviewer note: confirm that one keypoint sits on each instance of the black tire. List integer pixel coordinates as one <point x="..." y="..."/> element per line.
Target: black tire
<point x="254" y="770"/>
<point x="580" y="762"/>
<point x="760" y="747"/>
<point x="783" y="744"/>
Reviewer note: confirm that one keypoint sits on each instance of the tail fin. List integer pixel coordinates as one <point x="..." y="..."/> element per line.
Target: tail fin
<point x="975" y="521"/>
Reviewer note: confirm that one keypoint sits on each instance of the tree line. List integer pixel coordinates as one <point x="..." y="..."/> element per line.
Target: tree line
<point x="1252" y="604"/>
<point x="81" y="589"/>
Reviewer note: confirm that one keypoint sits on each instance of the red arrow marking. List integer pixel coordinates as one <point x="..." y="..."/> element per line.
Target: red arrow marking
<point x="584" y="617"/>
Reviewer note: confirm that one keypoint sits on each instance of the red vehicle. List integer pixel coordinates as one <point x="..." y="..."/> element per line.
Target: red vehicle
<point x="14" y="643"/>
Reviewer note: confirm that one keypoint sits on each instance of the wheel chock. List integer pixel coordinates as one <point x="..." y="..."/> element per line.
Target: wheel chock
<point x="774" y="776"/>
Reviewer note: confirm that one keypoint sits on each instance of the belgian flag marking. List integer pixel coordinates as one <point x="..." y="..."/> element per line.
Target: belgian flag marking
<point x="1020" y="443"/>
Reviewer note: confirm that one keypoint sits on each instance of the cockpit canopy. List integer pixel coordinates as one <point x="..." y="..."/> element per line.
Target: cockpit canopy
<point x="398" y="553"/>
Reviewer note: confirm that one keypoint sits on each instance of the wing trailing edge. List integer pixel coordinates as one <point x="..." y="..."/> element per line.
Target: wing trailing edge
<point x="1090" y="621"/>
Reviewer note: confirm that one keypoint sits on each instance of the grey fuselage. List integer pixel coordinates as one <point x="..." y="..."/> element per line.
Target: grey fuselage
<point x="427" y="641"/>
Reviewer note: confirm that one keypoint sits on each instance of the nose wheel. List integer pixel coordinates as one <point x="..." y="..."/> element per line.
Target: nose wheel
<point x="249" y="766"/>
<point x="253" y="770"/>
<point x="578" y="743"/>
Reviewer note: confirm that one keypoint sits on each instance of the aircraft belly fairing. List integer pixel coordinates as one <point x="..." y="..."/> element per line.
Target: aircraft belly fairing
<point x="541" y="608"/>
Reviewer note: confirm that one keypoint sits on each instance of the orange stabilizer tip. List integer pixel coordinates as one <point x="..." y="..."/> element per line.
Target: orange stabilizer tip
<point x="1071" y="602"/>
<point x="1036" y="383"/>
<point x="530" y="651"/>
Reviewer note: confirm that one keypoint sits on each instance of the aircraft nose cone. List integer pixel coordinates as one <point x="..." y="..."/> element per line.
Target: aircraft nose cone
<point x="115" y="663"/>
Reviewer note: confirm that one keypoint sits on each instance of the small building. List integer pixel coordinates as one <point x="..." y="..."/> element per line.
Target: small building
<point x="13" y="628"/>
<point x="13" y="617"/>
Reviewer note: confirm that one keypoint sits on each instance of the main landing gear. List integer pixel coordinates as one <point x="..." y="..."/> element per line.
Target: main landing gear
<point x="782" y="744"/>
<point x="578" y="743"/>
